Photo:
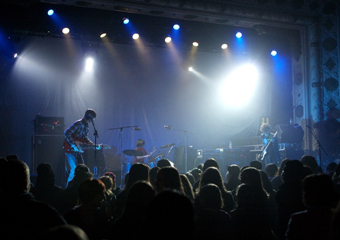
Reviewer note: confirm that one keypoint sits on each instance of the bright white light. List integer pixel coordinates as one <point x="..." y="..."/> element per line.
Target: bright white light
<point x="274" y="53"/>
<point x="238" y="34"/>
<point x="50" y="12"/>
<point x="240" y="86"/>
<point x="168" y="39"/>
<point x="195" y="44"/>
<point x="102" y="35"/>
<point x="126" y="21"/>
<point x="89" y="64"/>
<point x="15" y="55"/>
<point x="135" y="36"/>
<point x="65" y="30"/>
<point x="224" y="46"/>
<point x="190" y="69"/>
<point x="176" y="27"/>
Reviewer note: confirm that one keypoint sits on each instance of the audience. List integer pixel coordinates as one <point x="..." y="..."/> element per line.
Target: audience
<point x="45" y="190"/>
<point x="211" y="221"/>
<point x="90" y="215"/>
<point x="289" y="195"/>
<point x="320" y="199"/>
<point x="213" y="175"/>
<point x="22" y="217"/>
<point x="161" y="204"/>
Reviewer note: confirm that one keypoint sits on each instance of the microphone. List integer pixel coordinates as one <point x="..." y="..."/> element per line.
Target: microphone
<point x="167" y="126"/>
<point x="138" y="128"/>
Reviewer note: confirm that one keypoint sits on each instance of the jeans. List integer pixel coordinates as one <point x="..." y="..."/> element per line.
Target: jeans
<point x="73" y="160"/>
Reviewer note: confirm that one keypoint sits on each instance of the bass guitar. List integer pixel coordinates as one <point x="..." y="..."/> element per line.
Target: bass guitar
<point x="265" y="150"/>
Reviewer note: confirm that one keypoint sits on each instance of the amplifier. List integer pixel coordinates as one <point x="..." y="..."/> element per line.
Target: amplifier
<point x="48" y="125"/>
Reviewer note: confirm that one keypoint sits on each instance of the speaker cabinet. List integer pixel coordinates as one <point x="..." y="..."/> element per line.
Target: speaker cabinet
<point x="49" y="149"/>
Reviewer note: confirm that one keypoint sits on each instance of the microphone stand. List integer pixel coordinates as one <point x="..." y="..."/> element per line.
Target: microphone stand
<point x="319" y="144"/>
<point x="121" y="149"/>
<point x="95" y="170"/>
<point x="185" y="146"/>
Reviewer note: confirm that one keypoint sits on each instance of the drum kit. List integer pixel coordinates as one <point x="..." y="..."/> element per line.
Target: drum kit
<point x="152" y="160"/>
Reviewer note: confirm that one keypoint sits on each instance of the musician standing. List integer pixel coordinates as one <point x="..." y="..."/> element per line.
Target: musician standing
<point x="271" y="153"/>
<point x="78" y="131"/>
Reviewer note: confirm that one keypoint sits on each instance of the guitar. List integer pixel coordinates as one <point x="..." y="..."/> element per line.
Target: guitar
<point x="265" y="151"/>
<point x="81" y="146"/>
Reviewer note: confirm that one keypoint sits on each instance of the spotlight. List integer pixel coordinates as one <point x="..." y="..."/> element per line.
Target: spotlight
<point x="168" y="39"/>
<point x="135" y="36"/>
<point x="50" y="12"/>
<point x="176" y="27"/>
<point x="273" y="53"/>
<point x="190" y="69"/>
<point x="102" y="35"/>
<point x="238" y="34"/>
<point x="66" y="31"/>
<point x="224" y="46"/>
<point x="15" y="55"/>
<point x="195" y="44"/>
<point x="89" y="61"/>
<point x="126" y="21"/>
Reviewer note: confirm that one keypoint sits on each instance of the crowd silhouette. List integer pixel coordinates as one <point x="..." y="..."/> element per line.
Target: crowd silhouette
<point x="295" y="200"/>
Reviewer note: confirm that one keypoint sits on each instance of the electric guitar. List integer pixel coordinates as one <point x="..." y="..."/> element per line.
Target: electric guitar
<point x="149" y="155"/>
<point x="265" y="151"/>
<point x="81" y="145"/>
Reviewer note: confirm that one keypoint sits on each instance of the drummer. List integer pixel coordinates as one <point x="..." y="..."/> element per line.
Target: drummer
<point x="140" y="147"/>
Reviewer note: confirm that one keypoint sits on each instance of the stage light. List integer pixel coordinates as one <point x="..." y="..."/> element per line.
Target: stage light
<point x="135" y="36"/>
<point x="102" y="35"/>
<point x="50" y="12"/>
<point x="89" y="61"/>
<point x="66" y="31"/>
<point x="126" y="21"/>
<point x="238" y="34"/>
<point x="195" y="44"/>
<point x="190" y="69"/>
<point x="15" y="55"/>
<point x="273" y="53"/>
<point x="168" y="39"/>
<point x="239" y="87"/>
<point x="176" y="27"/>
<point x="224" y="46"/>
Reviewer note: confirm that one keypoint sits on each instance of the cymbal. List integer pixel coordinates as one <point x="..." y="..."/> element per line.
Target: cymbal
<point x="167" y="145"/>
<point x="131" y="152"/>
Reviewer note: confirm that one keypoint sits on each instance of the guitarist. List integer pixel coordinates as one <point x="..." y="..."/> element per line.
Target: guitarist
<point x="270" y="150"/>
<point x="77" y="131"/>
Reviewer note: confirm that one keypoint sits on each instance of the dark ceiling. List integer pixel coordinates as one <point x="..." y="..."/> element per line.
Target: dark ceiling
<point x="209" y="22"/>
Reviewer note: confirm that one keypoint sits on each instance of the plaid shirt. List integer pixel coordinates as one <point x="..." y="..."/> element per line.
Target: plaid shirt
<point x="78" y="130"/>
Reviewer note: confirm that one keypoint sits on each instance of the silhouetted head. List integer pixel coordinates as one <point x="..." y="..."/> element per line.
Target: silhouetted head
<point x="271" y="169"/>
<point x="69" y="232"/>
<point x="212" y="175"/>
<point x="163" y="163"/>
<point x="293" y="171"/>
<point x="91" y="191"/>
<point x="171" y="216"/>
<point x="210" y="197"/>
<point x="233" y="171"/>
<point x="168" y="178"/>
<point x="196" y="173"/>
<point x="211" y="162"/>
<point x="139" y="196"/>
<point x="14" y="177"/>
<point x="45" y="175"/>
<point x="310" y="161"/>
<point x="256" y="164"/>
<point x="138" y="172"/>
<point x="318" y="191"/>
